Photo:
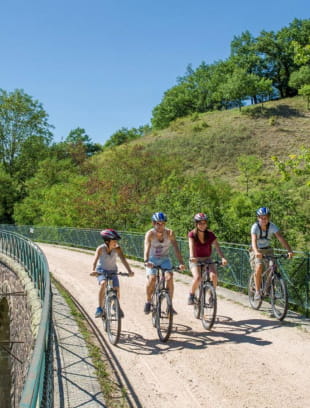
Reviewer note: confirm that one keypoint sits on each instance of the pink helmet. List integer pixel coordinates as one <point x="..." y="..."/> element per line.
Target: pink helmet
<point x="109" y="234"/>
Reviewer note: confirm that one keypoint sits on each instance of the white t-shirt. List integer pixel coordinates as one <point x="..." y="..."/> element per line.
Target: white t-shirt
<point x="264" y="242"/>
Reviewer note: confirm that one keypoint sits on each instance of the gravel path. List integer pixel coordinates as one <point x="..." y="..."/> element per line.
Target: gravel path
<point x="248" y="360"/>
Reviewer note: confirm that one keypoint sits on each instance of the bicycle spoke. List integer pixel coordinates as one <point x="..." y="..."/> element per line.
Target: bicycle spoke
<point x="209" y="306"/>
<point x="113" y="320"/>
<point x="279" y="300"/>
<point x="197" y="304"/>
<point x="255" y="304"/>
<point x="164" y="316"/>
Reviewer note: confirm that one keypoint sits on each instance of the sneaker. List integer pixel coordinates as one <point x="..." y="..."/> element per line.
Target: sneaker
<point x="257" y="296"/>
<point x="147" y="308"/>
<point x="191" y="299"/>
<point x="99" y="312"/>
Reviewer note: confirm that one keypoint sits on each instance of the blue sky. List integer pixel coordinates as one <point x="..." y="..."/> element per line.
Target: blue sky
<point x="105" y="64"/>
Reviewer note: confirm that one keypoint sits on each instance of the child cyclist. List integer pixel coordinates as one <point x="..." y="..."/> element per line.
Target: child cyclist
<point x="105" y="264"/>
<point x="201" y="240"/>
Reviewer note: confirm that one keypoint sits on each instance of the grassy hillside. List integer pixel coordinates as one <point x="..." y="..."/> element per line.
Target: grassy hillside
<point x="213" y="141"/>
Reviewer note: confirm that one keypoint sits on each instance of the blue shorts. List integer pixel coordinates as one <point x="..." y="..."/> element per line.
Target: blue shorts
<point x="105" y="274"/>
<point x="165" y="263"/>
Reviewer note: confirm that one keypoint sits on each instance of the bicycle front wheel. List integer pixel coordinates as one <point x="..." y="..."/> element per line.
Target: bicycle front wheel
<point x="208" y="306"/>
<point x="255" y="304"/>
<point x="113" y="318"/>
<point x="197" y="303"/>
<point x="279" y="297"/>
<point x="164" y="316"/>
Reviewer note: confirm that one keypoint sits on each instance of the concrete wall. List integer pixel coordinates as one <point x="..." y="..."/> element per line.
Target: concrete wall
<point x="20" y="313"/>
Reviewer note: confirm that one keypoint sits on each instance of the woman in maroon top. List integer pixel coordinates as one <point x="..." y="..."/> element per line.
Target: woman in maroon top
<point x="201" y="240"/>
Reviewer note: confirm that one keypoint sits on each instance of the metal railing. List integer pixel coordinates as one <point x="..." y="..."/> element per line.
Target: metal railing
<point x="29" y="255"/>
<point x="295" y="271"/>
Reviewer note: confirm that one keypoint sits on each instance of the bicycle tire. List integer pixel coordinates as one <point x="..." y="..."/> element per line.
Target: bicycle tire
<point x="153" y="310"/>
<point x="279" y="297"/>
<point x="197" y="303"/>
<point x="164" y="316"/>
<point x="113" y="318"/>
<point x="255" y="304"/>
<point x="208" y="306"/>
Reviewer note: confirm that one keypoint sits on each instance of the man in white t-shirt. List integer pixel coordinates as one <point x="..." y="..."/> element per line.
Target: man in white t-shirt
<point x="261" y="233"/>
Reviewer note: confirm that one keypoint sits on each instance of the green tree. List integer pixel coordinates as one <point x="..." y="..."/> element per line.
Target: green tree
<point x="8" y="194"/>
<point x="249" y="167"/>
<point x="78" y="138"/>
<point x="24" y="130"/>
<point x="301" y="80"/>
<point x="125" y="135"/>
<point x="277" y="50"/>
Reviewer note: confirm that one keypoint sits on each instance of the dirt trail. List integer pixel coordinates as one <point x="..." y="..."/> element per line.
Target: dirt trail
<point x="248" y="360"/>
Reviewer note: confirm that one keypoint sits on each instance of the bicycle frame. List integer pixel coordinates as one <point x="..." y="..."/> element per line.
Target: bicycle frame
<point x="162" y="316"/>
<point x="205" y="309"/>
<point x="272" y="286"/>
<point x="112" y="312"/>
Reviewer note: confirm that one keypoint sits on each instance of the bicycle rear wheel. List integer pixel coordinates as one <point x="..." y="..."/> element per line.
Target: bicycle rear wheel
<point x="279" y="297"/>
<point x="208" y="306"/>
<point x="255" y="304"/>
<point x="164" y="316"/>
<point x="113" y="319"/>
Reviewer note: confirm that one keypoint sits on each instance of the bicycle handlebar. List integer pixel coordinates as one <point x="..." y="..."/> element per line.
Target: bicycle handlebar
<point x="285" y="256"/>
<point x="110" y="274"/>
<point x="202" y="263"/>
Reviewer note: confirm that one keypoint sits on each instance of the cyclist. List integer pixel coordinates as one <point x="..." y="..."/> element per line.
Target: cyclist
<point x="201" y="240"/>
<point x="156" y="253"/>
<point x="105" y="263"/>
<point x="261" y="233"/>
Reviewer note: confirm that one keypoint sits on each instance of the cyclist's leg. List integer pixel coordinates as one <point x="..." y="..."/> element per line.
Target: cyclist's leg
<point x="196" y="277"/>
<point x="116" y="285"/>
<point x="102" y="282"/>
<point x="101" y="298"/>
<point x="150" y="286"/>
<point x="213" y="274"/>
<point x="260" y="265"/>
<point x="170" y="283"/>
<point x="166" y="265"/>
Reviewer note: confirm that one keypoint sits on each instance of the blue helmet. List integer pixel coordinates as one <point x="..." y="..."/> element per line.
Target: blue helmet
<point x="159" y="216"/>
<point x="263" y="211"/>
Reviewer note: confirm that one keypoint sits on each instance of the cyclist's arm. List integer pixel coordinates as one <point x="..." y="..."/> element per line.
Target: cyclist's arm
<point x="219" y="251"/>
<point x="97" y="255"/>
<point x="191" y="244"/>
<point x="254" y="246"/>
<point x="284" y="243"/>
<point x="176" y="250"/>
<point x="124" y="260"/>
<point x="147" y="245"/>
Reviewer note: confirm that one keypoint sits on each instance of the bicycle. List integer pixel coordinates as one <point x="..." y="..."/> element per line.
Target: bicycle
<point x="272" y="286"/>
<point x="205" y="300"/>
<point x="161" y="306"/>
<point x="111" y="318"/>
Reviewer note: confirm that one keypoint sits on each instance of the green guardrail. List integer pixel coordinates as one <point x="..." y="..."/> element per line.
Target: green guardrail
<point x="25" y="252"/>
<point x="296" y="271"/>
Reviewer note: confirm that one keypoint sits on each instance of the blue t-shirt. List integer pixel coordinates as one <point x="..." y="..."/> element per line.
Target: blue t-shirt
<point x="264" y="242"/>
